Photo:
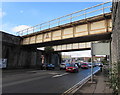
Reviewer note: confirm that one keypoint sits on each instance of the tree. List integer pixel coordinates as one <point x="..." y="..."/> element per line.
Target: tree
<point x="49" y="50"/>
<point x="104" y="61"/>
<point x="89" y="60"/>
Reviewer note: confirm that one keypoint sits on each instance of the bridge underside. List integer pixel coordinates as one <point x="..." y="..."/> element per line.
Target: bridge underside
<point x="95" y="37"/>
<point x="82" y="49"/>
<point x="74" y="50"/>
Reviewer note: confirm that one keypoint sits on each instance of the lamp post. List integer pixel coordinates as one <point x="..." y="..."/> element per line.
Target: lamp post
<point x="91" y="62"/>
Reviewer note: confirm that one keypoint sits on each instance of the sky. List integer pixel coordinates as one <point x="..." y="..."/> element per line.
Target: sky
<point x="17" y="16"/>
<point x="85" y="53"/>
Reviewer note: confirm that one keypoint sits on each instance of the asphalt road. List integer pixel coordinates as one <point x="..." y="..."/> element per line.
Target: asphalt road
<point x="43" y="81"/>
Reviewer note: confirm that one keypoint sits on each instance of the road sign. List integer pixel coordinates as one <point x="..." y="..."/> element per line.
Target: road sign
<point x="100" y="49"/>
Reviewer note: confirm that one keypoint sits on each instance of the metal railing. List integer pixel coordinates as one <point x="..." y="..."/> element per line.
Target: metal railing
<point x="75" y="16"/>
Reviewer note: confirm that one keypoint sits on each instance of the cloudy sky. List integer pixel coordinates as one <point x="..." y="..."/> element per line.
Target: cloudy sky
<point x="17" y="16"/>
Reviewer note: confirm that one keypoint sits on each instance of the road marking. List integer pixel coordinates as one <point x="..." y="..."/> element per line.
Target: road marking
<point x="77" y="86"/>
<point x="32" y="71"/>
<point x="28" y="80"/>
<point x="53" y="73"/>
<point x="23" y="81"/>
<point x="60" y="75"/>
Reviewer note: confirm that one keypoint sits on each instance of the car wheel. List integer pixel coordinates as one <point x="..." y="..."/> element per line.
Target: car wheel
<point x="77" y="71"/>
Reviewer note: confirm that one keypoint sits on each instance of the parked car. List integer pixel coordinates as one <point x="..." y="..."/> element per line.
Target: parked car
<point x="78" y="64"/>
<point x="91" y="64"/>
<point x="43" y="67"/>
<point x="3" y="63"/>
<point x="72" y="68"/>
<point x="99" y="64"/>
<point x="95" y="64"/>
<point x="63" y="66"/>
<point x="84" y="65"/>
<point x="50" y="66"/>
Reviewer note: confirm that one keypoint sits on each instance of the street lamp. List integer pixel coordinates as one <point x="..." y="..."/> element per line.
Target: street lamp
<point x="91" y="62"/>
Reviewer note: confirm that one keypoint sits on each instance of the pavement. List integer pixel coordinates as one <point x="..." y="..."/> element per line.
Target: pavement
<point x="100" y="86"/>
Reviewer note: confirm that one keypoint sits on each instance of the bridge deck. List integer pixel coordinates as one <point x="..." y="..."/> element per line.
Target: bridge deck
<point x="91" y="29"/>
<point x="71" y="24"/>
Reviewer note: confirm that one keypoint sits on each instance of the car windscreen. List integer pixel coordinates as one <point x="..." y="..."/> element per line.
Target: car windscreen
<point x="70" y="65"/>
<point x="84" y="64"/>
<point x="62" y="64"/>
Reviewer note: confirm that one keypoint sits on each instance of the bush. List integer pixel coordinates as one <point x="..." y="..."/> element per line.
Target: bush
<point x="115" y="78"/>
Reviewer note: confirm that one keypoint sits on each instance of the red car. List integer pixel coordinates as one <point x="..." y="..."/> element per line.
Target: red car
<point x="72" y="68"/>
<point x="84" y="65"/>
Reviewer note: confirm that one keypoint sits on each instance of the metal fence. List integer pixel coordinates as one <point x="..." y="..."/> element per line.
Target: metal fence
<point x="75" y="16"/>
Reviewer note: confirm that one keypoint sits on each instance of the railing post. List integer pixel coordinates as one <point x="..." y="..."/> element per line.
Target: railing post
<point x="17" y="33"/>
<point x="33" y="29"/>
<point x="58" y="21"/>
<point x="85" y="14"/>
<point x="40" y="27"/>
<point x="27" y="31"/>
<point x="21" y="33"/>
<point x="103" y="8"/>
<point x="49" y="24"/>
<point x="71" y="18"/>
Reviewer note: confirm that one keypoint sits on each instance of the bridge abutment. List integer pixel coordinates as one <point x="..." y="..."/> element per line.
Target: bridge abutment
<point x="19" y="56"/>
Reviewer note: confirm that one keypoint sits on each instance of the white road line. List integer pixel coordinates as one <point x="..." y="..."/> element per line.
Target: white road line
<point x="60" y="75"/>
<point x="56" y="76"/>
<point x="53" y="73"/>
<point x="22" y="81"/>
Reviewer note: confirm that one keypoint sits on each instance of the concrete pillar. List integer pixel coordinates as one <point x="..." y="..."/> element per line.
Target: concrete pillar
<point x="39" y="59"/>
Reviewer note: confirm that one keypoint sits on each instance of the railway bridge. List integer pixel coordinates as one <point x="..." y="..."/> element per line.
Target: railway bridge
<point x="74" y="31"/>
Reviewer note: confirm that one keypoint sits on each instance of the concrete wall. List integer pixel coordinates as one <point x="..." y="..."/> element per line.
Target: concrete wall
<point x="17" y="56"/>
<point x="22" y="56"/>
<point x="116" y="32"/>
<point x="54" y="58"/>
<point x="116" y="46"/>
